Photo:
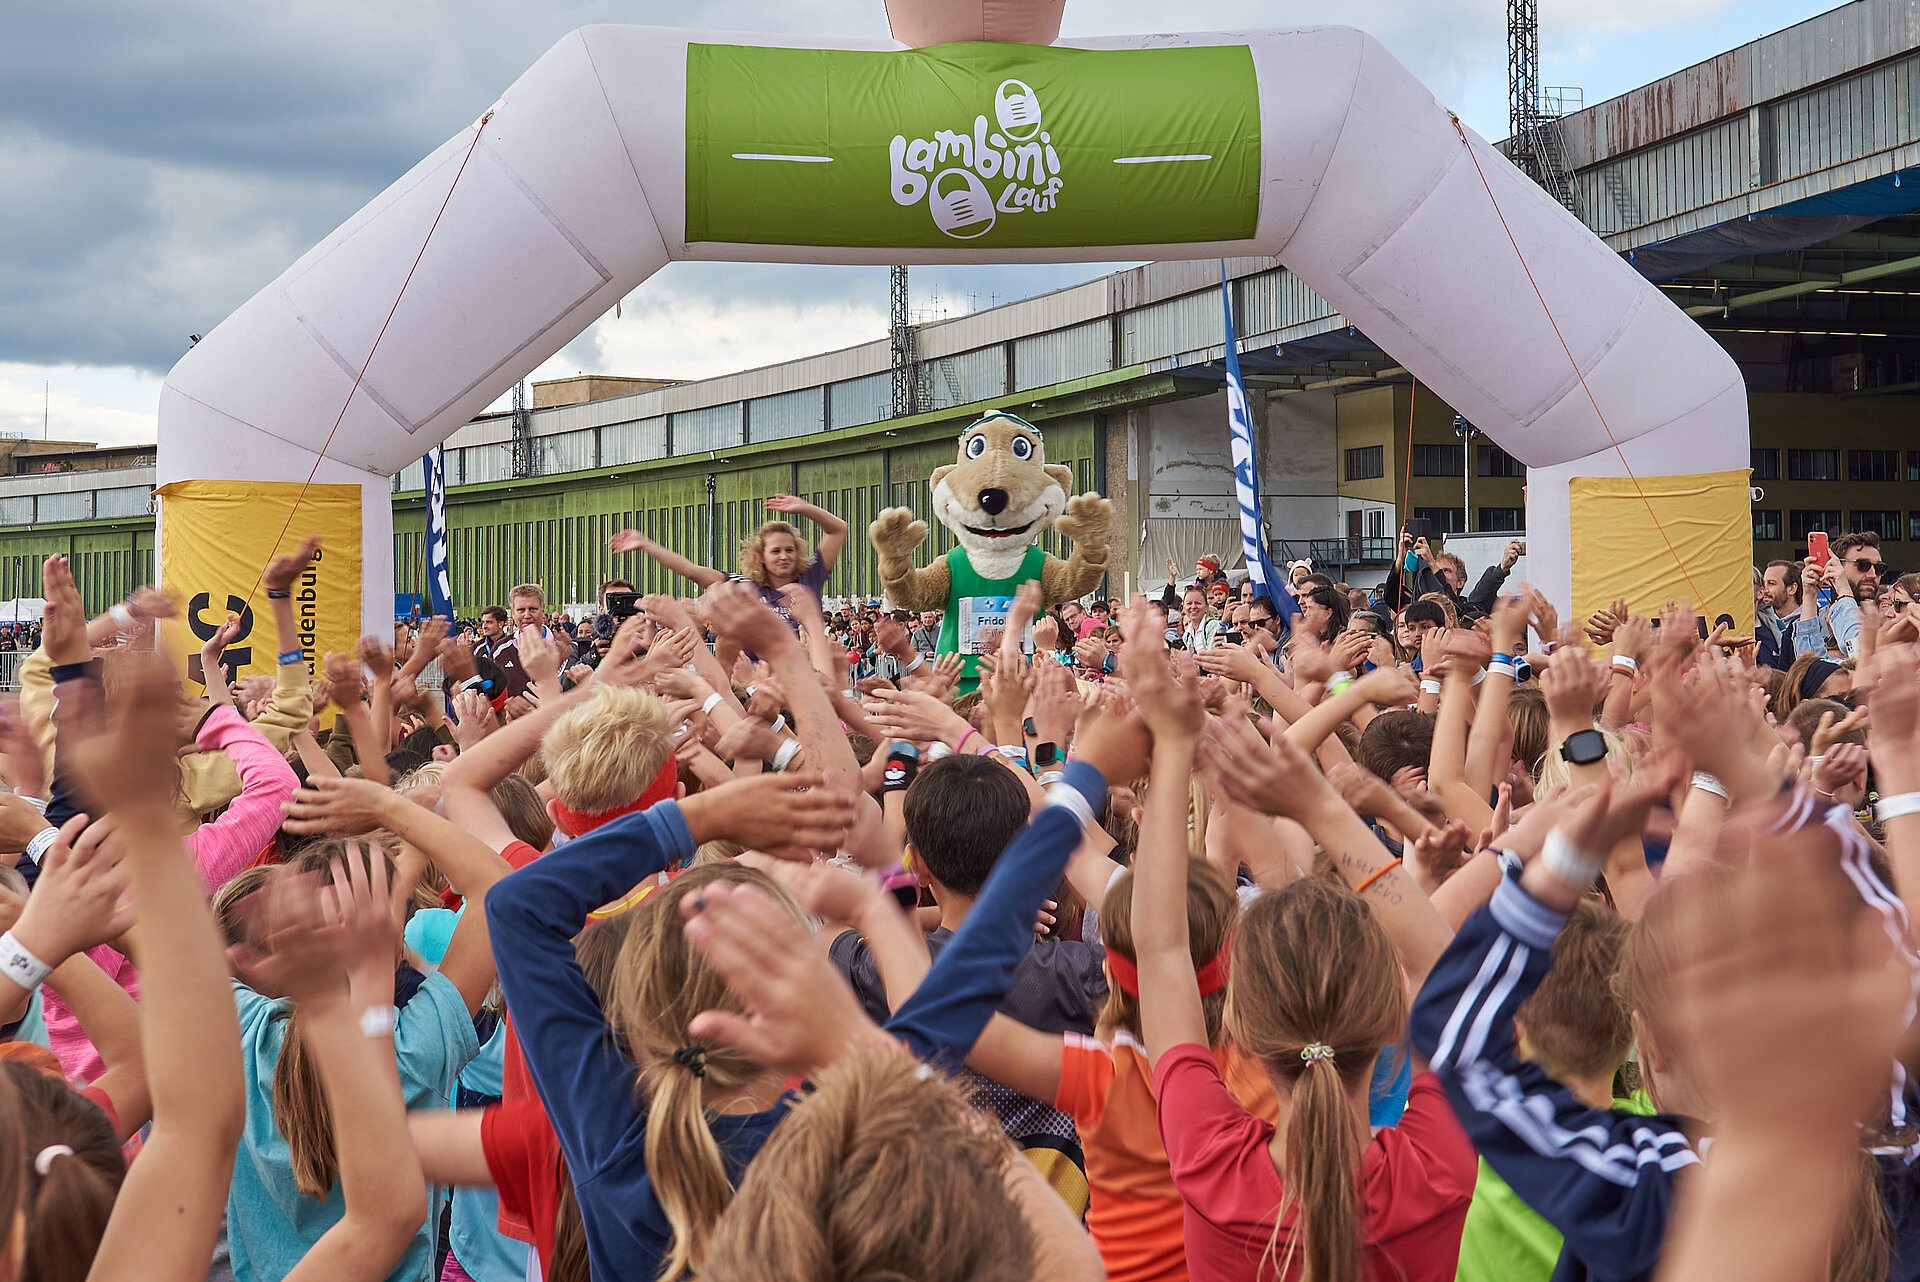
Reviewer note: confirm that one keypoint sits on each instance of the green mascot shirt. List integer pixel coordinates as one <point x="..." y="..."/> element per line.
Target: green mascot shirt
<point x="977" y="609"/>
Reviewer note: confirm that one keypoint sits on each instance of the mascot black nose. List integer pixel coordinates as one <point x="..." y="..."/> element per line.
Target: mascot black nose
<point x="993" y="502"/>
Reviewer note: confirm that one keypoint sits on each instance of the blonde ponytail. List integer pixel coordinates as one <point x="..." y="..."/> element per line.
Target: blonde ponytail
<point x="688" y="1171"/>
<point x="659" y="984"/>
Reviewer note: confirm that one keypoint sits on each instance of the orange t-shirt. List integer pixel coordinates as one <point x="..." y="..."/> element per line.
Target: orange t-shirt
<point x="1135" y="1212"/>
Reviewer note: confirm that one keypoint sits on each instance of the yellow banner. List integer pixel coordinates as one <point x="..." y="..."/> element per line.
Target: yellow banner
<point x="1620" y="551"/>
<point x="217" y="536"/>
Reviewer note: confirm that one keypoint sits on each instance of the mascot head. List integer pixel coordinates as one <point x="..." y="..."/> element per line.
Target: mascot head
<point x="1000" y="495"/>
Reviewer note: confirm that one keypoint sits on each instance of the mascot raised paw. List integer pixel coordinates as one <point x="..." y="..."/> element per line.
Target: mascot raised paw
<point x="998" y="497"/>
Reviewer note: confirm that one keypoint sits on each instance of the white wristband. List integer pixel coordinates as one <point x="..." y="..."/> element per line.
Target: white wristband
<point x="378" y="1021"/>
<point x="918" y="660"/>
<point x="37" y="847"/>
<point x="1898" y="806"/>
<point x="1626" y="661"/>
<point x="1507" y="670"/>
<point x="122" y="616"/>
<point x="1707" y="783"/>
<point x="786" y="753"/>
<point x="35" y="802"/>
<point x="711" y="702"/>
<point x="1816" y="759"/>
<point x="935" y="751"/>
<point x="1429" y="686"/>
<point x="779" y="722"/>
<point x="1568" y="862"/>
<point x="21" y="966"/>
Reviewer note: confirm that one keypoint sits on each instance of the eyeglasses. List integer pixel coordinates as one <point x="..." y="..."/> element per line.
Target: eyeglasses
<point x="1863" y="566"/>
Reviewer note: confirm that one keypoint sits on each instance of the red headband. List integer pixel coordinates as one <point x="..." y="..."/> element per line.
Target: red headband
<point x="1212" y="976"/>
<point x="578" y="823"/>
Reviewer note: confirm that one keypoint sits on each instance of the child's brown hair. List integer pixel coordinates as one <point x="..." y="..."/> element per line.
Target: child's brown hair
<point x="885" y="1171"/>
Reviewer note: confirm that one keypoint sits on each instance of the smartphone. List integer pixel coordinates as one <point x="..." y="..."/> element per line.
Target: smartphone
<point x="1818" y="555"/>
<point x="623" y="605"/>
<point x="1230" y="638"/>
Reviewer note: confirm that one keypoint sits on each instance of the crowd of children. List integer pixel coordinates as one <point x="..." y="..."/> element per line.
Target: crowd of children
<point x="1404" y="938"/>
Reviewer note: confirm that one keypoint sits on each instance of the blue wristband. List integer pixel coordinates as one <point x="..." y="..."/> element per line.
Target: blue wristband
<point x="292" y="656"/>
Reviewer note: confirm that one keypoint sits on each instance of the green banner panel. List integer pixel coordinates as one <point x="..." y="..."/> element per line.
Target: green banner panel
<point x="978" y="145"/>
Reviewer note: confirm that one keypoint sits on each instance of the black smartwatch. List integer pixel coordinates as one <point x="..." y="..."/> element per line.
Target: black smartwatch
<point x="1584" y="747"/>
<point x="1027" y="728"/>
<point x="1045" y="756"/>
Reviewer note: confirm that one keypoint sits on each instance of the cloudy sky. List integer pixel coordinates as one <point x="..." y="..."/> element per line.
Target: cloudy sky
<point x="163" y="162"/>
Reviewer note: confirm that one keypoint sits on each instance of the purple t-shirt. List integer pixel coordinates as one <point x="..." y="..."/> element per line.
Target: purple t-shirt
<point x="813" y="578"/>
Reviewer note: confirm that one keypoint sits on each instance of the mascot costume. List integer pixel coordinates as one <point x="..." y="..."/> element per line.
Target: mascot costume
<point x="997" y="497"/>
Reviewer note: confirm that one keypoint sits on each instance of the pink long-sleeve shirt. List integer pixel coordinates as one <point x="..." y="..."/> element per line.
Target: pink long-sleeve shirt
<point x="220" y="849"/>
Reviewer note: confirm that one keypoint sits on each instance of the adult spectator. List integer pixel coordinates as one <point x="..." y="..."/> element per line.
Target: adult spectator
<point x="527" y="603"/>
<point x="1853" y="568"/>
<point x="1776" y="602"/>
<point x="771" y="560"/>
<point x="1197" y="627"/>
<point x="925" y="636"/>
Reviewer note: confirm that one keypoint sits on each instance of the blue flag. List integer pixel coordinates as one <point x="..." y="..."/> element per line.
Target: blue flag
<point x="439" y="581"/>
<point x="1246" y="474"/>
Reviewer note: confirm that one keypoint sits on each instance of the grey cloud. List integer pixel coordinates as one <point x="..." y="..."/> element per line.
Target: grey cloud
<point x="163" y="162"/>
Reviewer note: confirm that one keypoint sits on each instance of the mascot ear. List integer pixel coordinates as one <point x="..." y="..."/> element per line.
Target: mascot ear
<point x="936" y="476"/>
<point x="1061" y="475"/>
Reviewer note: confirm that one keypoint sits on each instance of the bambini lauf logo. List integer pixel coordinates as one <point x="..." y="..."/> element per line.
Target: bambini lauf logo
<point x="1018" y="157"/>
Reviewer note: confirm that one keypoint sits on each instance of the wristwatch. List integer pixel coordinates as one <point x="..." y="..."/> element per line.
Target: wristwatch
<point x="1584" y="747"/>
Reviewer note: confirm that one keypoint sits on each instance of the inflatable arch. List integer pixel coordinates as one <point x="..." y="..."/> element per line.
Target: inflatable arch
<point x="624" y="148"/>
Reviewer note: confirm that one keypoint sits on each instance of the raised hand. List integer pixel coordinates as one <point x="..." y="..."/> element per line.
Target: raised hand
<point x="1275" y="778"/>
<point x="916" y="716"/>
<point x="792" y="816"/>
<point x="800" y="1016"/>
<point x="627" y="541"/>
<point x="63" y="625"/>
<point x="736" y="612"/>
<point x="339" y="807"/>
<point x="78" y="901"/>
<point x="1572" y="686"/>
<point x="282" y="572"/>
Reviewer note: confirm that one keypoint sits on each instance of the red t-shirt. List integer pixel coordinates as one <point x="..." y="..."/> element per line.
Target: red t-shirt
<point x="523" y="1155"/>
<point x="516" y="1083"/>
<point x="1416" y="1179"/>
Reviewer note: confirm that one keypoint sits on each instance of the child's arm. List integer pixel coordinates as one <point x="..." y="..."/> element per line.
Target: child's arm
<point x="450" y="1146"/>
<point x="111" y="1020"/>
<point x="1278" y="780"/>
<point x="170" y="1208"/>
<point x="349" y="1034"/>
<point x="349" y="807"/>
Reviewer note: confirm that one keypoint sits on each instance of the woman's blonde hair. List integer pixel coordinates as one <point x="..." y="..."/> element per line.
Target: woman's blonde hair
<point x="1317" y="990"/>
<point x="660" y="984"/>
<point x="753" y="561"/>
<point x="884" y="1172"/>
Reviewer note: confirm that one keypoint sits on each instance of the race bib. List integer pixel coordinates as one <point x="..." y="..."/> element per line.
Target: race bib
<point x="983" y="619"/>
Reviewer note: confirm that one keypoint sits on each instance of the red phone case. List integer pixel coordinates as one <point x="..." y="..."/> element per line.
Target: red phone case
<point x="1817" y="547"/>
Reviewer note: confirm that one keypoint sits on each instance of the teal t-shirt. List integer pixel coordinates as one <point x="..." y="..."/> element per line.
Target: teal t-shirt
<point x="270" y="1224"/>
<point x="1505" y="1240"/>
<point x="487" y="1254"/>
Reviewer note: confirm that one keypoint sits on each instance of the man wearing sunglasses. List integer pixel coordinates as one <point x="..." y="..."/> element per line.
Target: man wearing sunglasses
<point x="1854" y="567"/>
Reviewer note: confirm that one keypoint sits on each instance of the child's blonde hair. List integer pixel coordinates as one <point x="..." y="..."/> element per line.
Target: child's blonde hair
<point x="604" y="751"/>
<point x="659" y="984"/>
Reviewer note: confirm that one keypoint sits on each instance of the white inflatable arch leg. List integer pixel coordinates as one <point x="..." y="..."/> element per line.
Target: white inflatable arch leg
<point x="578" y="190"/>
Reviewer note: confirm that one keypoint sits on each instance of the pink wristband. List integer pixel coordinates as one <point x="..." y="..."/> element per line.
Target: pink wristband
<point x="963" y="739"/>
